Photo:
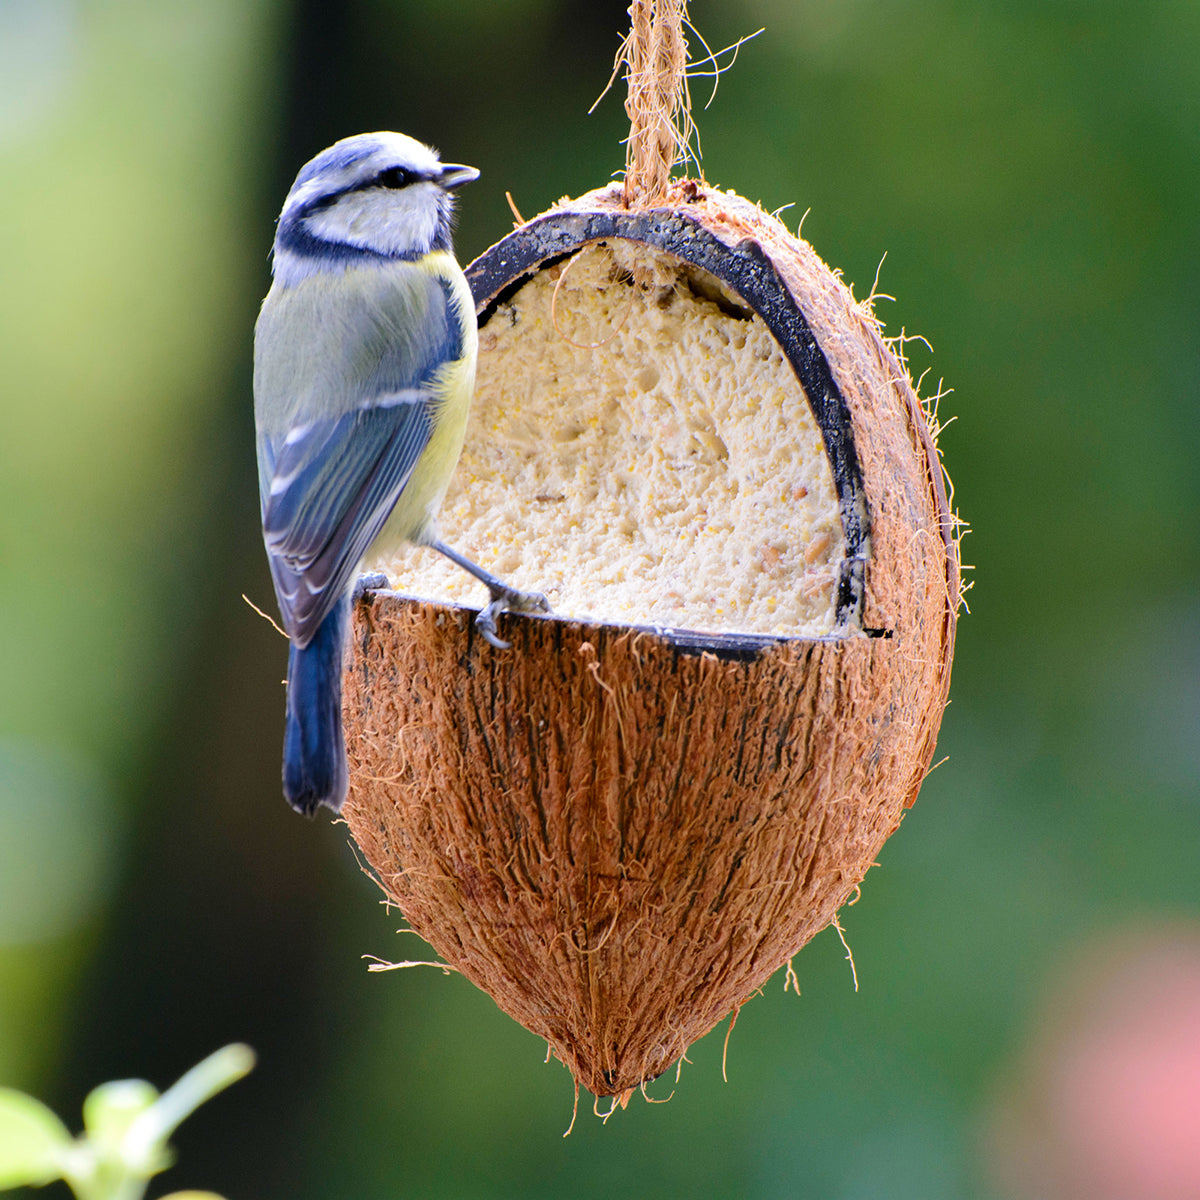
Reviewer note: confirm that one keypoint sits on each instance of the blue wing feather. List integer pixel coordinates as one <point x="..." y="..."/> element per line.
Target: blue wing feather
<point x="333" y="489"/>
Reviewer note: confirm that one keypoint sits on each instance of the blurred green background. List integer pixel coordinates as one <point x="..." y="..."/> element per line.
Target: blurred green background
<point x="1032" y="171"/>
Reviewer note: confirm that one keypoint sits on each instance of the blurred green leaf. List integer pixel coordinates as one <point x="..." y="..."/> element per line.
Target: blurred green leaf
<point x="32" y="1141"/>
<point x="208" y="1077"/>
<point x="110" y="1109"/>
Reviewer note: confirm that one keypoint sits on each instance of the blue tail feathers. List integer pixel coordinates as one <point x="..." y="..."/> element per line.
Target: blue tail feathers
<point x="314" y="751"/>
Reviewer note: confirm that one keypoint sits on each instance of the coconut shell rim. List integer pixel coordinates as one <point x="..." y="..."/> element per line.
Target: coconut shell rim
<point x="730" y="645"/>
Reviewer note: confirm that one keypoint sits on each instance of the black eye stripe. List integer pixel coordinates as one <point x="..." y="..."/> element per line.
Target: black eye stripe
<point x="394" y="178"/>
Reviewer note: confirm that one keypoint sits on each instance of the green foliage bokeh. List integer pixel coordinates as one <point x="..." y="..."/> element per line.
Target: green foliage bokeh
<point x="1032" y="172"/>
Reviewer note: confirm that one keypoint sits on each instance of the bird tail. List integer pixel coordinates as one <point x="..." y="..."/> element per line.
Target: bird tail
<point x="314" y="751"/>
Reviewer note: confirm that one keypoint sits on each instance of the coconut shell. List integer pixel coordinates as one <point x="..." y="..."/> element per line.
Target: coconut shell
<point x="620" y="833"/>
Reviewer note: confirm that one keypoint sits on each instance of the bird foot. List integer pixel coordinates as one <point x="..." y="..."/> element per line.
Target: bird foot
<point x="507" y="599"/>
<point x="370" y="581"/>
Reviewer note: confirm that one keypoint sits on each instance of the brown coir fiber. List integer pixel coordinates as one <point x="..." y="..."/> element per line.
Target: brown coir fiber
<point x="617" y="833"/>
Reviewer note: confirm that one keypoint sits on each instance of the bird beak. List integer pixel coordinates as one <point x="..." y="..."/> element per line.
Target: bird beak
<point x="453" y="175"/>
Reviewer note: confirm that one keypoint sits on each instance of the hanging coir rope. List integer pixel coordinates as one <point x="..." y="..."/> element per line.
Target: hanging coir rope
<point x="655" y="58"/>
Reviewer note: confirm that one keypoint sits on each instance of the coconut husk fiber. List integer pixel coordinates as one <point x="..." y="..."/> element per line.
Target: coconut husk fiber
<point x="619" y="832"/>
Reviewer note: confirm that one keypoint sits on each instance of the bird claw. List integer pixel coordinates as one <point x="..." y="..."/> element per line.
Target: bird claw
<point x="506" y="599"/>
<point x="371" y="581"/>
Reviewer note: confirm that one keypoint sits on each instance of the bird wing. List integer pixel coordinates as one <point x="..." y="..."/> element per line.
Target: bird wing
<point x="330" y="475"/>
<point x="335" y="483"/>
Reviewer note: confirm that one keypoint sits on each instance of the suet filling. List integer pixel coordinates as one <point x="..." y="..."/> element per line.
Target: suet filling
<point x="640" y="450"/>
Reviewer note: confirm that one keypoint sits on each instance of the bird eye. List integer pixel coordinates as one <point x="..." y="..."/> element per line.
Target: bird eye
<point x="395" y="177"/>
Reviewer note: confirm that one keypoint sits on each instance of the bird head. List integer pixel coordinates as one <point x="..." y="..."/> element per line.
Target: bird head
<point x="375" y="195"/>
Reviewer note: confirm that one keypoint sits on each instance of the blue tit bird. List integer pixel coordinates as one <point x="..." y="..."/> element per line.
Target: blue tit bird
<point x="364" y="365"/>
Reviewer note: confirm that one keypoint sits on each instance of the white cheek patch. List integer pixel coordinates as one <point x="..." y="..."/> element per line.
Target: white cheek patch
<point x="385" y="220"/>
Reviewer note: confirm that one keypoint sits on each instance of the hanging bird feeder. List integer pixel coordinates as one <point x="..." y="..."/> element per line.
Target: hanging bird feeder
<point x="692" y="438"/>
